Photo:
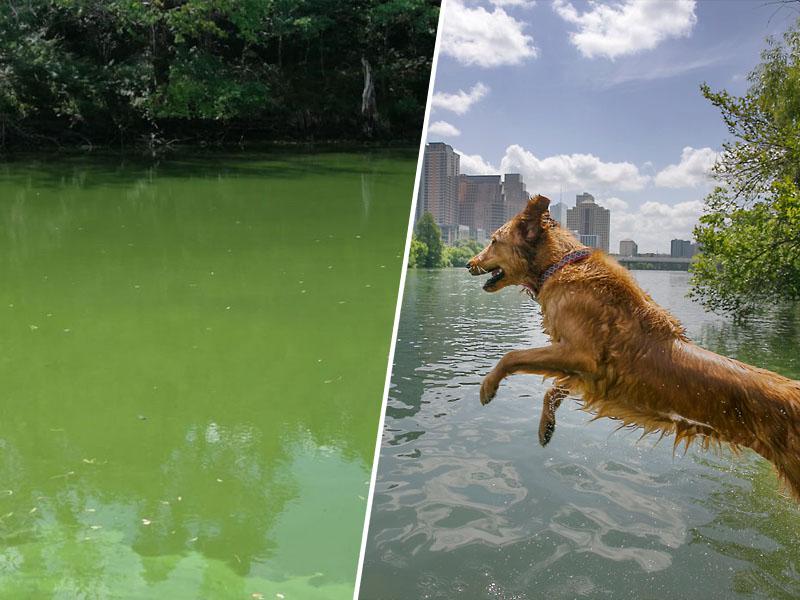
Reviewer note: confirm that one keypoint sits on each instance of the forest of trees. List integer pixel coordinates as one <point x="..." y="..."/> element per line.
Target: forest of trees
<point x="132" y="72"/>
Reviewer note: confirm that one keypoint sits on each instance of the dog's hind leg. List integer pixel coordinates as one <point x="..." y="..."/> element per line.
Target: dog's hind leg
<point x="547" y="422"/>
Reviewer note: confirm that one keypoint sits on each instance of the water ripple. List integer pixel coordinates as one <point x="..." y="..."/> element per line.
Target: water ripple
<point x="468" y="504"/>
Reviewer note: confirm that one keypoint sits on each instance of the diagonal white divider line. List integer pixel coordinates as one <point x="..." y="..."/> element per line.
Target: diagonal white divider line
<point x="399" y="304"/>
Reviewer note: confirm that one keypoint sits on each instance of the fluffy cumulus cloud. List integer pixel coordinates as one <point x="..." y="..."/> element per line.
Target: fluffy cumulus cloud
<point x="653" y="224"/>
<point x="574" y="171"/>
<point x="443" y="128"/>
<point x="613" y="203"/>
<point x="626" y="27"/>
<point x="693" y="170"/>
<point x="461" y="101"/>
<point x="473" y="164"/>
<point x="475" y="36"/>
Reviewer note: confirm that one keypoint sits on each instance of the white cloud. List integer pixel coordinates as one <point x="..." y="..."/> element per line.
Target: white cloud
<point x="573" y="171"/>
<point x="626" y="27"/>
<point x="461" y="101"/>
<point x="652" y="72"/>
<point x="520" y="3"/>
<point x="475" y="36"/>
<point x="653" y="224"/>
<point x="443" y="128"/>
<point x="473" y="164"/>
<point x="613" y="203"/>
<point x="693" y="170"/>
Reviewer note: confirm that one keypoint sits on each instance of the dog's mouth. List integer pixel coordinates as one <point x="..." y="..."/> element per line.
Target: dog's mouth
<point x="496" y="275"/>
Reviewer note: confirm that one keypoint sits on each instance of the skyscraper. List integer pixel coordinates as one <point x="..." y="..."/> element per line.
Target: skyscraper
<point x="591" y="221"/>
<point x="558" y="211"/>
<point x="515" y="196"/>
<point x="480" y="203"/>
<point x="438" y="190"/>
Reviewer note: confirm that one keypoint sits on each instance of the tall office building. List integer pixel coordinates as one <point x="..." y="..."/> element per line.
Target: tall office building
<point x="589" y="240"/>
<point x="628" y="248"/>
<point x="591" y="221"/>
<point x="558" y="211"/>
<point x="480" y="204"/>
<point x="438" y="190"/>
<point x="515" y="196"/>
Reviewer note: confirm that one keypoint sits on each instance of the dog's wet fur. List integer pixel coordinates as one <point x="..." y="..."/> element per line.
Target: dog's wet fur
<point x="628" y="358"/>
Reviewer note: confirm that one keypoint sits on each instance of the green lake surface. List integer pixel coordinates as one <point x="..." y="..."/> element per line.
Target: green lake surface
<point x="468" y="505"/>
<point x="192" y="360"/>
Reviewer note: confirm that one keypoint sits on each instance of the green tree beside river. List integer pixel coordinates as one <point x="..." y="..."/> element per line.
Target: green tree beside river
<point x="126" y="71"/>
<point x="429" y="251"/>
<point x="750" y="232"/>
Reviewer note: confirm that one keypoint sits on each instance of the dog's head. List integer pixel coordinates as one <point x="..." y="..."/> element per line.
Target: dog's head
<point x="509" y="253"/>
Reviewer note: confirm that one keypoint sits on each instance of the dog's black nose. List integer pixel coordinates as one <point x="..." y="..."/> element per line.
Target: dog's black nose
<point x="467" y="266"/>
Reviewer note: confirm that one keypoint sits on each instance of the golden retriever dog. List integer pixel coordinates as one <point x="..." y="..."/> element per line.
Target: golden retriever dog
<point x="627" y="357"/>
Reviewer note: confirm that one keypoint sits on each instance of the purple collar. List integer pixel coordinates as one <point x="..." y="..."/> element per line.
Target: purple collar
<point x="567" y="259"/>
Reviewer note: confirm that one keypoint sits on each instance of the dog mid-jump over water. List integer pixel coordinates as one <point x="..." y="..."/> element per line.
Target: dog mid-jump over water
<point x="626" y="356"/>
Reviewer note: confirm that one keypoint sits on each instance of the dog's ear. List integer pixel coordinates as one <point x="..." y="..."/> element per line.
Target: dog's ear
<point x="531" y="217"/>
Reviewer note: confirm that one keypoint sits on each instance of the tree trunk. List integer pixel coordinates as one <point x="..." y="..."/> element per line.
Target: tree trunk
<point x="369" y="107"/>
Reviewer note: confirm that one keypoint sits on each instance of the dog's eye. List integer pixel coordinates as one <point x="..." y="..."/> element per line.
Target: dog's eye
<point x="493" y="242"/>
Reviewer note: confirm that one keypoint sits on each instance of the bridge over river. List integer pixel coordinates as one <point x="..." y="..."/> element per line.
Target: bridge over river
<point x="654" y="263"/>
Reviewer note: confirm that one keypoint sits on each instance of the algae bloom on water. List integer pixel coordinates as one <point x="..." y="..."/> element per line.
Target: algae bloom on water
<point x="181" y="416"/>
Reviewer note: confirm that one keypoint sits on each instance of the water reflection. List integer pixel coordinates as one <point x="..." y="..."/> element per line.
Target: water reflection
<point x="467" y="502"/>
<point x="192" y="363"/>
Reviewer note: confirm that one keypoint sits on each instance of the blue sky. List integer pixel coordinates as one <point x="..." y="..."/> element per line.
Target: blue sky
<point x="599" y="96"/>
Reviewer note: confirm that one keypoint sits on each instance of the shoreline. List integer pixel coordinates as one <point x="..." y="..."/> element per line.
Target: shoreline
<point x="208" y="150"/>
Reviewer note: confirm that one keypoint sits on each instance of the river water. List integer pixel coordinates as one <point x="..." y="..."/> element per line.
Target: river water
<point x="468" y="505"/>
<point x="192" y="358"/>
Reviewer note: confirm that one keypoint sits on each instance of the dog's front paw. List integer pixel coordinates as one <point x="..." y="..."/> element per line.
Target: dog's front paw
<point x="546" y="428"/>
<point x="489" y="389"/>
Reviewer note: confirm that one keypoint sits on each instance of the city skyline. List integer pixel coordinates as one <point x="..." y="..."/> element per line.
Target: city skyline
<point x="466" y="206"/>
<point x="524" y="87"/>
<point x="484" y="202"/>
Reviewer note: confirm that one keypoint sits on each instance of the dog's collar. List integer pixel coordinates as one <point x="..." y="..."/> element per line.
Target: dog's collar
<point x="567" y="259"/>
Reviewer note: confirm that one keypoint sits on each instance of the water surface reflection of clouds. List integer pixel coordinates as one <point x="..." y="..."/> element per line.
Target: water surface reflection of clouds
<point x="190" y="377"/>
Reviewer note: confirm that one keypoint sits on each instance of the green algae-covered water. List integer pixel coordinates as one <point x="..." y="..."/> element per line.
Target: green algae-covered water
<point x="192" y="358"/>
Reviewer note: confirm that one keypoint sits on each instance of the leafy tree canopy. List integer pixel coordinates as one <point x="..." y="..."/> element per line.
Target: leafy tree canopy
<point x="428" y="232"/>
<point x="427" y="236"/>
<point x="417" y="253"/>
<point x="122" y="70"/>
<point x="459" y="253"/>
<point x="750" y="231"/>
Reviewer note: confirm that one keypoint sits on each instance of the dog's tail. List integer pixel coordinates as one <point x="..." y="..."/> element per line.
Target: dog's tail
<point x="779" y="436"/>
<point x="788" y="468"/>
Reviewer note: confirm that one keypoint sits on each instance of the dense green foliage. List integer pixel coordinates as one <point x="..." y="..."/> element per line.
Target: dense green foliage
<point x="417" y="253"/>
<point x="428" y="232"/>
<point x="120" y="71"/>
<point x="459" y="253"/>
<point x="750" y="232"/>
<point x="429" y="251"/>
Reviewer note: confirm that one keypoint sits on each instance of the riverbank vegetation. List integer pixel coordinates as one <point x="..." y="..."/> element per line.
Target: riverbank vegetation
<point x="122" y="73"/>
<point x="429" y="251"/>
<point x="750" y="229"/>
